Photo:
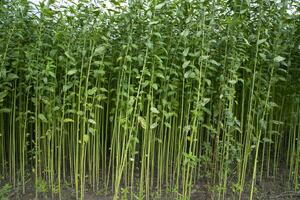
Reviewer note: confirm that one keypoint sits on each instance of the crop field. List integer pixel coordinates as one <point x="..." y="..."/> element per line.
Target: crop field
<point x="150" y="99"/>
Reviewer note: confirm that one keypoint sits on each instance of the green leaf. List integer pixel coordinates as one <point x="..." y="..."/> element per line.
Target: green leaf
<point x="267" y="140"/>
<point x="185" y="33"/>
<point x="205" y="101"/>
<point x="157" y="34"/>
<point x="92" y="130"/>
<point x="246" y="41"/>
<point x="263" y="56"/>
<point x="155" y="86"/>
<point x="154" y="110"/>
<point x="91" y="121"/>
<point x="142" y="121"/>
<point x="214" y="62"/>
<point x="92" y="91"/>
<point x="160" y="75"/>
<point x="103" y="89"/>
<point x="86" y="138"/>
<point x="79" y="112"/>
<point x="261" y="41"/>
<point x="208" y="82"/>
<point x="263" y="124"/>
<point x="67" y="87"/>
<point x="187" y="74"/>
<point x="277" y="122"/>
<point x="69" y="56"/>
<point x="3" y="72"/>
<point x="159" y="140"/>
<point x="273" y="104"/>
<point x="154" y="125"/>
<point x="279" y="59"/>
<point x="186" y="51"/>
<point x="232" y="82"/>
<point x="5" y="110"/>
<point x="42" y="118"/>
<point x="52" y="74"/>
<point x="71" y="72"/>
<point x="99" y="50"/>
<point x="185" y="64"/>
<point x="154" y="22"/>
<point x="186" y="128"/>
<point x="204" y="57"/>
<point x="3" y="95"/>
<point x="12" y="76"/>
<point x="149" y="44"/>
<point x="67" y="120"/>
<point x="159" y="6"/>
<point x="56" y="108"/>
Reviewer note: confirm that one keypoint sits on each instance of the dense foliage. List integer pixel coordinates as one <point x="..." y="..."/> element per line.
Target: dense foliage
<point x="149" y="95"/>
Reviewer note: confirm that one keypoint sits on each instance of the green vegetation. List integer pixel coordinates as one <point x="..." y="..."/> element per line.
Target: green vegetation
<point x="5" y="191"/>
<point x="145" y="97"/>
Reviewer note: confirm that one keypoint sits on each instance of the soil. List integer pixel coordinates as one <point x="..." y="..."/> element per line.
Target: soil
<point x="271" y="188"/>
